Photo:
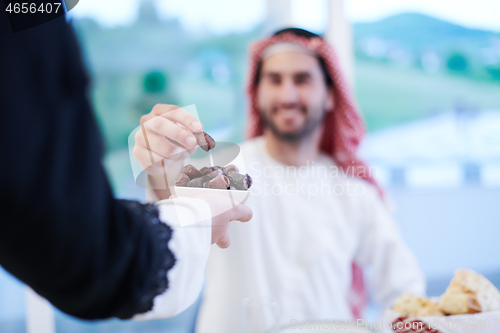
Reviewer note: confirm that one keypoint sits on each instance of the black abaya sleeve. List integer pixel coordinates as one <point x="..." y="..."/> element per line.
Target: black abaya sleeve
<point x="61" y="230"/>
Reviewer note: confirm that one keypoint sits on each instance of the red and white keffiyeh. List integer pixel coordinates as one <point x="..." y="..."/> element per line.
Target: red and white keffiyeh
<point x="344" y="127"/>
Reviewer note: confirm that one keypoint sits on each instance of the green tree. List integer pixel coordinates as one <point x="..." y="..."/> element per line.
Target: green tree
<point x="494" y="71"/>
<point x="457" y="62"/>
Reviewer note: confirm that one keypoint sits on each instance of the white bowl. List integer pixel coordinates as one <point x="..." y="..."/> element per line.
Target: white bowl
<point x="227" y="199"/>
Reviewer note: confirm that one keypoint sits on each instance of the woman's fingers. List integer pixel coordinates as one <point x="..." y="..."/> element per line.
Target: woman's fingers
<point x="145" y="156"/>
<point x="225" y="240"/>
<point x="185" y="118"/>
<point x="166" y="132"/>
<point x="165" y="127"/>
<point x="174" y="113"/>
<point x="241" y="213"/>
<point x="157" y="144"/>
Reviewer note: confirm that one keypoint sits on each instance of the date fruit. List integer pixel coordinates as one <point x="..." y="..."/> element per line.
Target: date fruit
<point x="195" y="183"/>
<point x="205" y="141"/>
<point x="230" y="169"/>
<point x="192" y="172"/>
<point x="215" y="177"/>
<point x="220" y="182"/>
<point x="182" y="180"/>
<point x="239" y="181"/>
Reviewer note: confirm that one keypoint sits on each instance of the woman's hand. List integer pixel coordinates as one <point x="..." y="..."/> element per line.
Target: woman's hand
<point x="220" y="222"/>
<point x="166" y="134"/>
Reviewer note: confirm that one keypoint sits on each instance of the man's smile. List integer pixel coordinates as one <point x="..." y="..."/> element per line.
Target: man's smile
<point x="290" y="117"/>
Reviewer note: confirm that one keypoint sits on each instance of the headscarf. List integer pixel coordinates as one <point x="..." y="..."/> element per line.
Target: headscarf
<point x="344" y="127"/>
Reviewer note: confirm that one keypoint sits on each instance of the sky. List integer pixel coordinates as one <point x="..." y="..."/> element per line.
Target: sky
<point x="224" y="16"/>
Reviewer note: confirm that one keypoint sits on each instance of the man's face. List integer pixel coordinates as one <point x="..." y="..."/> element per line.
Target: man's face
<point x="292" y="95"/>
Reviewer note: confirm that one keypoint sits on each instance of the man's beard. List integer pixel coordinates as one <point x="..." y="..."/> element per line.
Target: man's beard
<point x="307" y="129"/>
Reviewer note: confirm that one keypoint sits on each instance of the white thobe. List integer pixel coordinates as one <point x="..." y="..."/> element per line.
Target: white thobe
<point x="309" y="225"/>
